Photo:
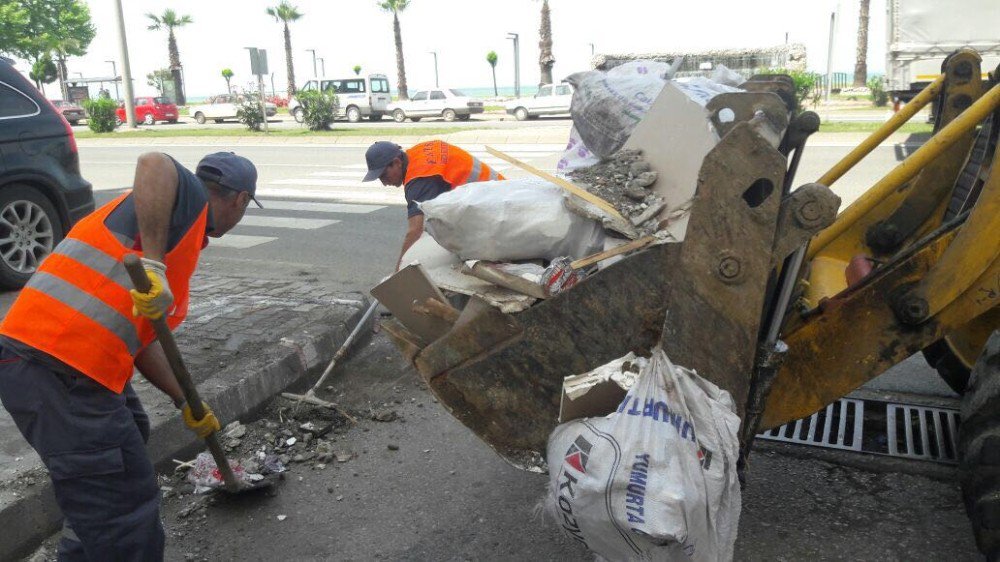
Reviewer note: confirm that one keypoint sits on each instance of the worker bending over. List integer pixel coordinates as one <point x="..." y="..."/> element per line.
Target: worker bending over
<point x="70" y="341"/>
<point x="425" y="171"/>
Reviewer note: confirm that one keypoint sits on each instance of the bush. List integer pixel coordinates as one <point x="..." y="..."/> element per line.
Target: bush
<point x="319" y="109"/>
<point x="878" y="94"/>
<point x="805" y="86"/>
<point x="249" y="111"/>
<point x="100" y="114"/>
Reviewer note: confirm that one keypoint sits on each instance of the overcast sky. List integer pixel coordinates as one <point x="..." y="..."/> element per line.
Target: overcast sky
<point x="350" y="32"/>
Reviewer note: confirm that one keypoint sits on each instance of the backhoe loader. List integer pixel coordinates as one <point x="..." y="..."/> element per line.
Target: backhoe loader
<point x="773" y="295"/>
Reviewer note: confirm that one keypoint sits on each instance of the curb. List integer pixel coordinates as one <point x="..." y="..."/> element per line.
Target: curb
<point x="237" y="392"/>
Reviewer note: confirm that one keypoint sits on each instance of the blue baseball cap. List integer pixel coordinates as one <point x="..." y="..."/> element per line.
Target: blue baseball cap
<point x="380" y="155"/>
<point x="230" y="171"/>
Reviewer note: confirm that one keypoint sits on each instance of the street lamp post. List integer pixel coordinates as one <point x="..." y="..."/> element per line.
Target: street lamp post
<point x="114" y="72"/>
<point x="591" y="49"/>
<point x="126" y="68"/>
<point x="313" y="51"/>
<point x="517" y="63"/>
<point x="436" y="84"/>
<point x="322" y="67"/>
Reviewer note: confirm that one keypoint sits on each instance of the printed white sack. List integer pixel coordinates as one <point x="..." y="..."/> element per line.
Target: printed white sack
<point x="655" y="480"/>
<point x="510" y="220"/>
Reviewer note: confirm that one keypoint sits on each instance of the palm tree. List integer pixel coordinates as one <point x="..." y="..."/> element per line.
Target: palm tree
<point x="227" y="73"/>
<point x="62" y="49"/>
<point x="396" y="6"/>
<point x="861" y="64"/>
<point x="545" y="58"/>
<point x="491" y="57"/>
<point x="170" y="20"/>
<point x="285" y="13"/>
<point x="357" y="70"/>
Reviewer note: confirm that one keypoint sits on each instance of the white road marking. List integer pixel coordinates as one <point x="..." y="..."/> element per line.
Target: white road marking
<point x="286" y="222"/>
<point x="317" y="207"/>
<point x="343" y="195"/>
<point x="319" y="182"/>
<point x="240" y="241"/>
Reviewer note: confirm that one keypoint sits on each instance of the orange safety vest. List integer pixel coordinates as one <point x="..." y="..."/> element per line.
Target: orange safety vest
<point x="438" y="158"/>
<point x="77" y="307"/>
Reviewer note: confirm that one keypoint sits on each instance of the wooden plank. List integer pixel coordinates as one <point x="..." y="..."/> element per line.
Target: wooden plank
<point x="565" y="184"/>
<point x="617" y="251"/>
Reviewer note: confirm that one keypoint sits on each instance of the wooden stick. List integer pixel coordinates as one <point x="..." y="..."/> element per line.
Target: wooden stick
<point x="169" y="345"/>
<point x="567" y="185"/>
<point x="318" y="402"/>
<point x="624" y="248"/>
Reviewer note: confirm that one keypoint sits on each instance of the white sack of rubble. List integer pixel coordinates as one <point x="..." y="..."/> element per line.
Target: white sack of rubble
<point x="509" y="220"/>
<point x="656" y="479"/>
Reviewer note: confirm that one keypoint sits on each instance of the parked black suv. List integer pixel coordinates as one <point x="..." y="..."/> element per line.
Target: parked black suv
<point x="41" y="191"/>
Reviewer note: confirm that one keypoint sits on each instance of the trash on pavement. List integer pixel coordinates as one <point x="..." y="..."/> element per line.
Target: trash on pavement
<point x="656" y="478"/>
<point x="206" y="477"/>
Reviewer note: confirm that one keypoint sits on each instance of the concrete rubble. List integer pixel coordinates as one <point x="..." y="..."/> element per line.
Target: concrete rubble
<point x="625" y="180"/>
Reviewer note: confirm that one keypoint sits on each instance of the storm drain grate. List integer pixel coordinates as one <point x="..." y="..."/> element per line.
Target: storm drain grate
<point x="898" y="430"/>
<point x="920" y="432"/>
<point x="838" y="426"/>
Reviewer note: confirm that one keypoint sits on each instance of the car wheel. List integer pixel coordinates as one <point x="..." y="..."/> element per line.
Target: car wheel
<point x="149" y="119"/>
<point x="298" y="114"/>
<point x="353" y="114"/>
<point x="398" y="116"/>
<point x="29" y="229"/>
<point x="448" y="114"/>
<point x="521" y="114"/>
<point x="199" y="118"/>
<point x="375" y="117"/>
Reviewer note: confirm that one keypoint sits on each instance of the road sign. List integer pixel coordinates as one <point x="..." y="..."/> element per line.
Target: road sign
<point x="258" y="61"/>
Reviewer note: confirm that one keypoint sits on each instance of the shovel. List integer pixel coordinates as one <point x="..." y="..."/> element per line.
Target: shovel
<point x="232" y="484"/>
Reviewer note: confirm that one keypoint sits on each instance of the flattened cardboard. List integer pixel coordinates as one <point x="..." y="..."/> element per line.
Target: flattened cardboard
<point x="399" y="292"/>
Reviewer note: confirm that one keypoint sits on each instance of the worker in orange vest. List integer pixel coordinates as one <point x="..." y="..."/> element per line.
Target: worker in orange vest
<point x="425" y="171"/>
<point x="70" y="342"/>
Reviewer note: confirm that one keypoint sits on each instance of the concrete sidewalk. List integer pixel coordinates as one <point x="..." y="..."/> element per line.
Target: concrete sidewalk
<point x="244" y="342"/>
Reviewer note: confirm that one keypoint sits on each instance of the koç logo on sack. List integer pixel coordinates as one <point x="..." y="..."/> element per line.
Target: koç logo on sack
<point x="578" y="454"/>
<point x="575" y="461"/>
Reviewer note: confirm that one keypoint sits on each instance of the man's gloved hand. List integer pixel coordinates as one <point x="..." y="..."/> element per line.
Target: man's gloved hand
<point x="203" y="427"/>
<point x="159" y="299"/>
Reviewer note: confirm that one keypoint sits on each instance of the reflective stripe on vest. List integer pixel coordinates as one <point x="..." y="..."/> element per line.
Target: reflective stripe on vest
<point x="77" y="308"/>
<point x="456" y="166"/>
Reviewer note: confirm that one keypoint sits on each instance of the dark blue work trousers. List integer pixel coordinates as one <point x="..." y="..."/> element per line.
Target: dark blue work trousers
<point x="93" y="442"/>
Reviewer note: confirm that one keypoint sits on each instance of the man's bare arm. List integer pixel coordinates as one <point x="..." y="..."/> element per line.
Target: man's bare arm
<point x="153" y="365"/>
<point x="415" y="227"/>
<point x="154" y="192"/>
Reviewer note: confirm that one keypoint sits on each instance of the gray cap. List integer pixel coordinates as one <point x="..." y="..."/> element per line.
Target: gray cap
<point x="230" y="171"/>
<point x="378" y="156"/>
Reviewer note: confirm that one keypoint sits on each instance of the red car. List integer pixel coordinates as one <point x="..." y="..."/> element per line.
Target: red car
<point x="150" y="110"/>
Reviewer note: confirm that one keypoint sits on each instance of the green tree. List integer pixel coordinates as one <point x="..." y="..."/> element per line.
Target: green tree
<point x="357" y="70"/>
<point x="491" y="57"/>
<point x="394" y="7"/>
<point x="285" y="13"/>
<point x="227" y="73"/>
<point x="545" y="59"/>
<point x="14" y="19"/>
<point x="159" y="79"/>
<point x="43" y="71"/>
<point x="169" y="20"/>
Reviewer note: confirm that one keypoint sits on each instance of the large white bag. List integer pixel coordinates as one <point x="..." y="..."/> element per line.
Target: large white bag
<point x="655" y="480"/>
<point x="522" y="219"/>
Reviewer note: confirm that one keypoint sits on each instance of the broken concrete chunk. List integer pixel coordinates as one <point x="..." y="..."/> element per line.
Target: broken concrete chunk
<point x="635" y="193"/>
<point x="638" y="167"/>
<point x="645" y="179"/>
<point x="235" y="430"/>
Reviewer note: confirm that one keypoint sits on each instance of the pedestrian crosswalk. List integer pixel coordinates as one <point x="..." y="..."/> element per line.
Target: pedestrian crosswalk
<point x="274" y="219"/>
<point x="342" y="182"/>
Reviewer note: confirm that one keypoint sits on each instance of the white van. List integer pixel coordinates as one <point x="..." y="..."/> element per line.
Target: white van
<point x="358" y="96"/>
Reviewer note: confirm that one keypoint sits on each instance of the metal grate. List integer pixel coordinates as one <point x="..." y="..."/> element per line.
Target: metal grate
<point x="846" y="415"/>
<point x="898" y="430"/>
<point x="919" y="432"/>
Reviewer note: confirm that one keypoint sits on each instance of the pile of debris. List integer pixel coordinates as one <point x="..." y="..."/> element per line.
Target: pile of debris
<point x="625" y="181"/>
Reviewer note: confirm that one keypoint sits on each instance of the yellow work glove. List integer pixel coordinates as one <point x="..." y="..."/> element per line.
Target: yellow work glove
<point x="203" y="427"/>
<point x="159" y="299"/>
